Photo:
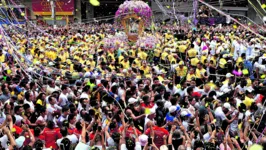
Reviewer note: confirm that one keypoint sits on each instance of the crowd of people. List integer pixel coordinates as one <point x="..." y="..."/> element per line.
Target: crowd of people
<point x="199" y="88"/>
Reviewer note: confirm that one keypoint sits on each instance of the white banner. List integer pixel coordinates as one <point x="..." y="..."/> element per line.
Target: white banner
<point x="181" y="6"/>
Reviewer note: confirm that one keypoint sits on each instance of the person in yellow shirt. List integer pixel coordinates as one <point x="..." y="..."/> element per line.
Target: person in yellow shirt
<point x="83" y="59"/>
<point x="142" y="55"/>
<point x="132" y="54"/>
<point x="192" y="52"/>
<point x="248" y="98"/>
<point x="125" y="63"/>
<point x="164" y="56"/>
<point x="201" y="74"/>
<point x="194" y="61"/>
<point x="146" y="69"/>
<point x="191" y="75"/>
<point x="181" y="71"/>
<point x="2" y="57"/>
<point x="182" y="51"/>
<point x="157" y="54"/>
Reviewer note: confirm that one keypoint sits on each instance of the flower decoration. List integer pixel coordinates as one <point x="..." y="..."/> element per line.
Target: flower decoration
<point x="147" y="42"/>
<point x="115" y="41"/>
<point x="139" y="8"/>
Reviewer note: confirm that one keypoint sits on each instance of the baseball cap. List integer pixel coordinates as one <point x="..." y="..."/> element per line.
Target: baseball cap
<point x="174" y="108"/>
<point x="20" y="141"/>
<point x="185" y="114"/>
<point x="228" y="106"/>
<point x="143" y="139"/>
<point x="132" y="100"/>
<point x="228" y="75"/>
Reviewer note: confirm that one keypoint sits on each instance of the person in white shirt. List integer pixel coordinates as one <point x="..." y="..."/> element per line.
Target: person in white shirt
<point x="63" y="100"/>
<point x="64" y="131"/>
<point x="84" y="95"/>
<point x="41" y="120"/>
<point x="53" y="109"/>
<point x="150" y="118"/>
<point x="64" y="115"/>
<point x="18" y="115"/>
<point x="52" y="87"/>
<point x="28" y="100"/>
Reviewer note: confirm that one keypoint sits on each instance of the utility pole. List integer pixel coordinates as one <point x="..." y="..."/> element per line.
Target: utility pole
<point x="53" y="8"/>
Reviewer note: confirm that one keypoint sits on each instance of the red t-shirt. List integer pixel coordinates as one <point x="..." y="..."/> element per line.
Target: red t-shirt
<point x="158" y="135"/>
<point x="130" y="131"/>
<point x="50" y="137"/>
<point x="91" y="135"/>
<point x="196" y="94"/>
<point x="150" y="105"/>
<point x="76" y="131"/>
<point x="18" y="129"/>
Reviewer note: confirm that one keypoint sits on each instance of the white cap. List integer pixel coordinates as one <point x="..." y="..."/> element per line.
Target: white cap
<point x="132" y="100"/>
<point x="185" y="114"/>
<point x="152" y="111"/>
<point x="143" y="139"/>
<point x="228" y="106"/>
<point x="163" y="147"/>
<point x="249" y="89"/>
<point x="174" y="108"/>
<point x="228" y="75"/>
<point x="20" y="141"/>
<point x="167" y="104"/>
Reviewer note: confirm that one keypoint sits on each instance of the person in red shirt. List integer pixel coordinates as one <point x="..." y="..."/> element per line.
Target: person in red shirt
<point x="130" y="131"/>
<point x="159" y="132"/>
<point x="50" y="135"/>
<point x="147" y="103"/>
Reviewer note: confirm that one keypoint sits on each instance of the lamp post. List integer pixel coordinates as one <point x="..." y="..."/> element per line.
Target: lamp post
<point x="53" y="9"/>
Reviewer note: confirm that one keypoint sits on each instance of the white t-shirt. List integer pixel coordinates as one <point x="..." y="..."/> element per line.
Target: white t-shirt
<point x="219" y="115"/>
<point x="82" y="146"/>
<point x="137" y="147"/>
<point x="73" y="138"/>
<point x="3" y="141"/>
<point x="51" y="110"/>
<point x="64" y="99"/>
<point x="18" y="119"/>
<point x="30" y="103"/>
<point x="41" y="119"/>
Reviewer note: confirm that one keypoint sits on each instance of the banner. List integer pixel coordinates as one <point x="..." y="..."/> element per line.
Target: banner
<point x="212" y="20"/>
<point x="181" y="6"/>
<point x="43" y="7"/>
<point x="57" y="18"/>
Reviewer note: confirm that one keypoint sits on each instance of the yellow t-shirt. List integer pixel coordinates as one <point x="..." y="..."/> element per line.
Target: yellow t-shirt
<point x="239" y="60"/>
<point x="203" y="58"/>
<point x="181" y="72"/>
<point x="194" y="61"/>
<point x="163" y="56"/>
<point x="190" y="76"/>
<point x="126" y="65"/>
<point x="2" y="58"/>
<point x="143" y="55"/>
<point x="192" y="53"/>
<point x="145" y="69"/>
<point x="182" y="48"/>
<point x="40" y="102"/>
<point x="132" y="53"/>
<point x="200" y="73"/>
<point x="214" y="60"/>
<point x="248" y="101"/>
<point x="222" y="62"/>
<point x="157" y="53"/>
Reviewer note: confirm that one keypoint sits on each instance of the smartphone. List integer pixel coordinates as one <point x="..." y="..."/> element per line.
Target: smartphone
<point x="99" y="128"/>
<point x="110" y="115"/>
<point x="149" y="141"/>
<point x="170" y="147"/>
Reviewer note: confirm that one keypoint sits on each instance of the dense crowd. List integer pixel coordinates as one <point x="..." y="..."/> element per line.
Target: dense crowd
<point x="199" y="88"/>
